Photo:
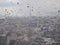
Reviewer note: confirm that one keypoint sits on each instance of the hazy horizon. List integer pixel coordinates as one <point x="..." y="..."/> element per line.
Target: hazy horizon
<point x="36" y="7"/>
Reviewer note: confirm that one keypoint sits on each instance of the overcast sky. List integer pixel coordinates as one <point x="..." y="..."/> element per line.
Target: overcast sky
<point x="40" y="7"/>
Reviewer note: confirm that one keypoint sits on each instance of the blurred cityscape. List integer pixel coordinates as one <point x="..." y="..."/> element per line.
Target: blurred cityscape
<point x="29" y="22"/>
<point x="31" y="30"/>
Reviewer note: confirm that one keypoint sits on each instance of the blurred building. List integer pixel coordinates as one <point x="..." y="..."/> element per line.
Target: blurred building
<point x="3" y="39"/>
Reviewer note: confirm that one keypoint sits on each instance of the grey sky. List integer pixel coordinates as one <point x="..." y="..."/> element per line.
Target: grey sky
<point x="45" y="7"/>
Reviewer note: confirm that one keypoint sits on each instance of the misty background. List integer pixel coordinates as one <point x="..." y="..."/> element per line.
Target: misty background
<point x="29" y="22"/>
<point x="29" y="7"/>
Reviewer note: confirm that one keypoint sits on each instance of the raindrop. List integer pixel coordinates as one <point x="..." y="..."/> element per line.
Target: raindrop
<point x="18" y="3"/>
<point x="58" y="10"/>
<point x="5" y="9"/>
<point x="28" y="6"/>
<point x="32" y="9"/>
